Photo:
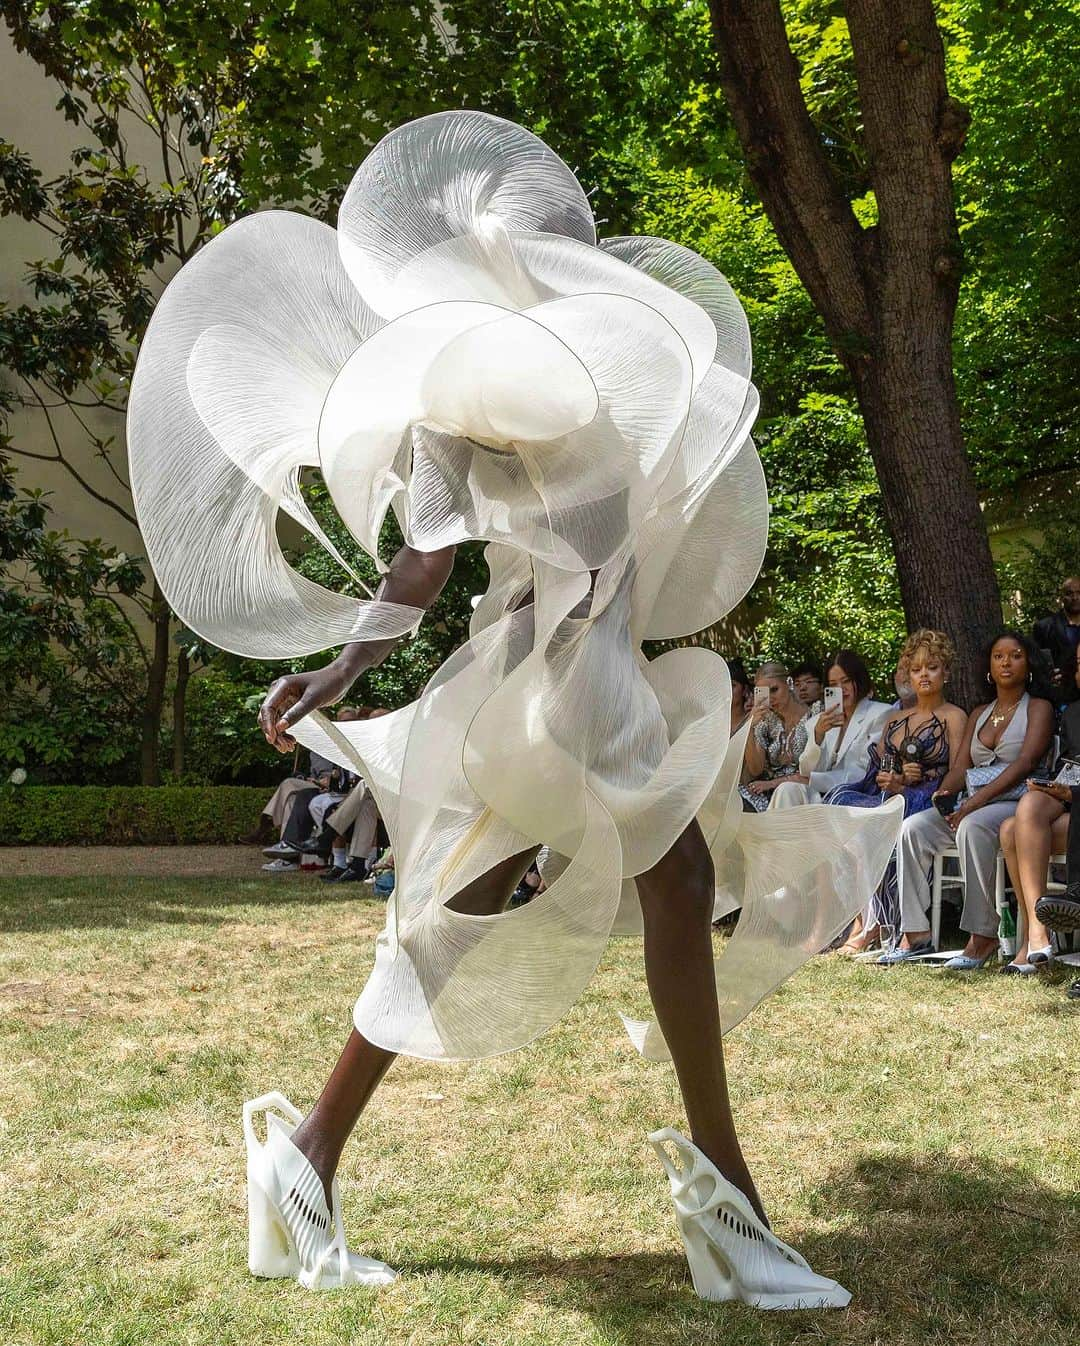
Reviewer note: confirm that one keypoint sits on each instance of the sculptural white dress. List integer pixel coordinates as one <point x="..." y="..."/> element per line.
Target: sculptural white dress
<point x="462" y="351"/>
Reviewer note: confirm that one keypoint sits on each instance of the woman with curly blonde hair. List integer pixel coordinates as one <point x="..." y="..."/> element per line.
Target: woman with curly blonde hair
<point x="914" y="752"/>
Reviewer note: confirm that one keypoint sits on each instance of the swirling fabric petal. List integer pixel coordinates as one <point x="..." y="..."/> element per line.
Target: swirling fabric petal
<point x="223" y="412"/>
<point x="454" y="175"/>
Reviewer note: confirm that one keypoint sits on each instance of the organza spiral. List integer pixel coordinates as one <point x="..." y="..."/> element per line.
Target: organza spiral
<point x="461" y="350"/>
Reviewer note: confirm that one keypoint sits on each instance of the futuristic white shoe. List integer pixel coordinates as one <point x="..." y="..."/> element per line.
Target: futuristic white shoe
<point x="290" y="1230"/>
<point x="732" y="1255"/>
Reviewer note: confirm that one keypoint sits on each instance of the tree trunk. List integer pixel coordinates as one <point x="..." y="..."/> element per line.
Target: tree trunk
<point x="150" y="770"/>
<point x="887" y="294"/>
<point x="179" y="719"/>
<point x="943" y="559"/>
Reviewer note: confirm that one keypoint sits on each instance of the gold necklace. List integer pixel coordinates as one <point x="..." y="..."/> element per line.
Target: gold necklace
<point x="995" y="720"/>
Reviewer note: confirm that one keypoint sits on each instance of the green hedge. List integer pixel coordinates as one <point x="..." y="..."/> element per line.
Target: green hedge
<point x="127" y="815"/>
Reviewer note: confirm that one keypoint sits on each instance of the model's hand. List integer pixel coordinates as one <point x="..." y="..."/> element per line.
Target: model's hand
<point x="958" y="815"/>
<point x="1062" y="793"/>
<point x="890" y="781"/>
<point x="913" y="773"/>
<point x="828" y="719"/>
<point x="292" y="697"/>
<point x="762" y="787"/>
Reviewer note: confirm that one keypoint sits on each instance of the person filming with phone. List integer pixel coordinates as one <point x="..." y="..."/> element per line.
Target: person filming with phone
<point x="838" y="737"/>
<point x="778" y="735"/>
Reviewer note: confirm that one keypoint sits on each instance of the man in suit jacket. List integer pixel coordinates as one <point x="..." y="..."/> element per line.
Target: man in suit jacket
<point x="1060" y="634"/>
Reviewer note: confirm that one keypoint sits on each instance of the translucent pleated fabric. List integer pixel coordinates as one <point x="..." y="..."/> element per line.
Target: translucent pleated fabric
<point x="462" y="351"/>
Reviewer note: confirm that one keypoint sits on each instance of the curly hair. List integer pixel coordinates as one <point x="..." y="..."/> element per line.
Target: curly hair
<point x="936" y="643"/>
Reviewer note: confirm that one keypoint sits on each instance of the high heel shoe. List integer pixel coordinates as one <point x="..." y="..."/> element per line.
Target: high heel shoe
<point x="731" y="1254"/>
<point x="289" y="1224"/>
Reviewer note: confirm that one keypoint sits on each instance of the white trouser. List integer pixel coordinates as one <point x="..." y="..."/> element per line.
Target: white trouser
<point x="789" y="795"/>
<point x="922" y="836"/>
<point x="359" y="811"/>
<point x="321" y="803"/>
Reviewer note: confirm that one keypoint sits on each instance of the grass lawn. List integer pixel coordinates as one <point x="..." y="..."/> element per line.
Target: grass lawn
<point x="915" y="1136"/>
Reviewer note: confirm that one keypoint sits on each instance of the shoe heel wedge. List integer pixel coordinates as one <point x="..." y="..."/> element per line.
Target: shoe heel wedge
<point x="271" y="1252"/>
<point x="730" y="1253"/>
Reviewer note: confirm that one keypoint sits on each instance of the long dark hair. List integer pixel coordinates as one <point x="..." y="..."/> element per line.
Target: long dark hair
<point x="1038" y="679"/>
<point x="856" y="670"/>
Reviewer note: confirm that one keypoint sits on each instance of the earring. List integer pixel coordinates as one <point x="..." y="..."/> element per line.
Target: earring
<point x="989" y="678"/>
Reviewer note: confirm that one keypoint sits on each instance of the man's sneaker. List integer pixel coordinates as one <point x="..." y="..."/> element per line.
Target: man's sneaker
<point x="1060" y="911"/>
<point x="356" y="872"/>
<point x="280" y="849"/>
<point x="280" y="866"/>
<point x="332" y="875"/>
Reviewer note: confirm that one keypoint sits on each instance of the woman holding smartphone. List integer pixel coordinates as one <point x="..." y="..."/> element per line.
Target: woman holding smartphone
<point x="778" y="735"/>
<point x="838" y="738"/>
<point x="1038" y="830"/>
<point x="915" y="750"/>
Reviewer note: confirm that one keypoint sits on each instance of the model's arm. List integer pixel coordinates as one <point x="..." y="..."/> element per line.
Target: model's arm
<point x="415" y="579"/>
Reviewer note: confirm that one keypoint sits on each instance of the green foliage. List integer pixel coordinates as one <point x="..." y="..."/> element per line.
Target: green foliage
<point x="126" y="815"/>
<point x="1031" y="572"/>
<point x="1018" y="330"/>
<point x="224" y="744"/>
<point x="71" y="667"/>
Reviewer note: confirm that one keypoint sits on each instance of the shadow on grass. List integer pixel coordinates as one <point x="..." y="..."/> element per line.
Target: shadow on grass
<point x="931" y="1250"/>
<point x="103" y="902"/>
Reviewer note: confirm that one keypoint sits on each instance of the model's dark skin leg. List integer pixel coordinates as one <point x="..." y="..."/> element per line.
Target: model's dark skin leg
<point x="677" y="897"/>
<point x="361" y="1066"/>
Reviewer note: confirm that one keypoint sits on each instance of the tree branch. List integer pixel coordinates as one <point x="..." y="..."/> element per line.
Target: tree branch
<point x="787" y="163"/>
<point x="68" y="467"/>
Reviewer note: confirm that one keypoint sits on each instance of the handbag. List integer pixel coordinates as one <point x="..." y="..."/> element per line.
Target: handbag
<point x="975" y="777"/>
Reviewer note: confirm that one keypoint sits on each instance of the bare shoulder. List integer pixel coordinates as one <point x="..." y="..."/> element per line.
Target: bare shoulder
<point x="956" y="716"/>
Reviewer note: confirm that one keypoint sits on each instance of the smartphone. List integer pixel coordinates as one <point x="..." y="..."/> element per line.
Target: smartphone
<point x="761" y="697"/>
<point x="834" y="699"/>
<point x="946" y="804"/>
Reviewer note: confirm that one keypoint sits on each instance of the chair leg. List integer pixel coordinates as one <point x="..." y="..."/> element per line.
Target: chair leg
<point x="935" y="901"/>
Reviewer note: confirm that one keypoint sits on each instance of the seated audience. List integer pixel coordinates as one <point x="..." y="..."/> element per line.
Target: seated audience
<point x="1059" y="636"/>
<point x="839" y="739"/>
<point x="807" y="680"/>
<point x="306" y="803"/>
<point x="1042" y="826"/>
<point x="912" y="755"/>
<point x="777" y="738"/>
<point x="1005" y="740"/>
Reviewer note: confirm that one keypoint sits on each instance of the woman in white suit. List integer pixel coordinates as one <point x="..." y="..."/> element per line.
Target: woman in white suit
<point x="838" y="739"/>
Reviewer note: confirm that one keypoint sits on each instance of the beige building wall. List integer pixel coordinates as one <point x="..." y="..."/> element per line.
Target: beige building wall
<point x="31" y="122"/>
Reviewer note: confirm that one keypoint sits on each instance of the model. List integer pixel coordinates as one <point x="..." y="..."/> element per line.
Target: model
<point x="462" y="351"/>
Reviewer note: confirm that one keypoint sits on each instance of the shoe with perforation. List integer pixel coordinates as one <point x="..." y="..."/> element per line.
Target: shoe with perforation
<point x="732" y="1255"/>
<point x="291" y="1231"/>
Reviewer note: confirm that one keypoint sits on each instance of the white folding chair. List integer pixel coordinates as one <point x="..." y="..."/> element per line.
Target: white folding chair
<point x="940" y="880"/>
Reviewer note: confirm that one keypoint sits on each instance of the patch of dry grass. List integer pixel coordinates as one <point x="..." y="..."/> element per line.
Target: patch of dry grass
<point x="914" y="1135"/>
